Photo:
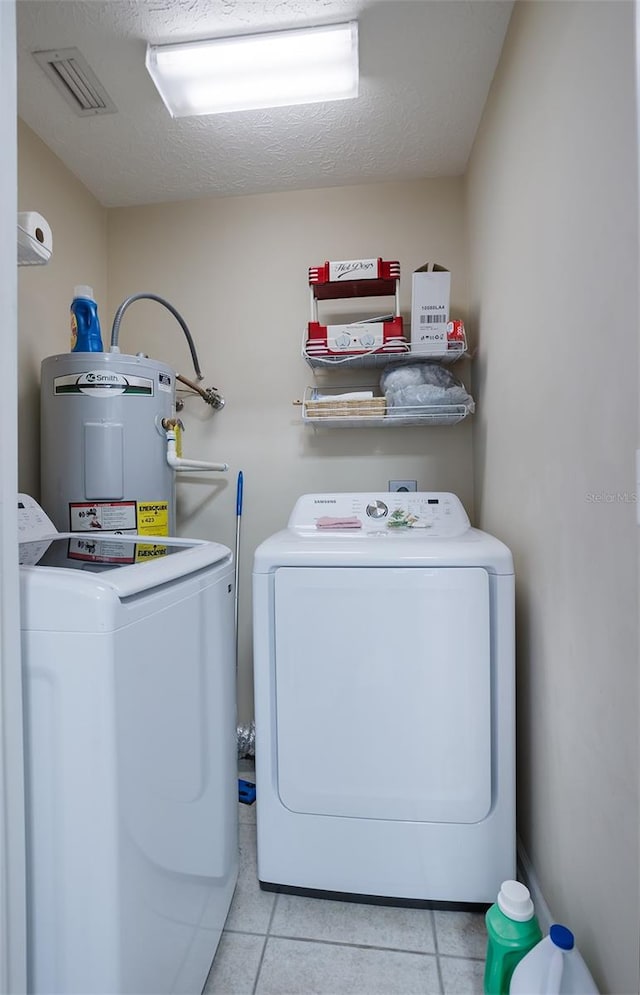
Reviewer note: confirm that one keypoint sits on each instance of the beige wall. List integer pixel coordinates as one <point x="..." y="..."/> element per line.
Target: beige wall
<point x="79" y="226"/>
<point x="236" y="269"/>
<point x="552" y="193"/>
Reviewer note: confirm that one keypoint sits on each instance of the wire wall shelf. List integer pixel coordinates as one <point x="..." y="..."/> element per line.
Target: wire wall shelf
<point x="321" y="409"/>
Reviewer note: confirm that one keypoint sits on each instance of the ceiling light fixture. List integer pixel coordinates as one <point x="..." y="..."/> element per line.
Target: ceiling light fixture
<point x="299" y="66"/>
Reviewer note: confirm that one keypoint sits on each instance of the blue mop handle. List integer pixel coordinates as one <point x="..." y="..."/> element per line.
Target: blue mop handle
<point x="237" y="564"/>
<point x="239" y="495"/>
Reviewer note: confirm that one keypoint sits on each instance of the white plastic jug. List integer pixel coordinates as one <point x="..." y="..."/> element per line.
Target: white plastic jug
<point x="553" y="967"/>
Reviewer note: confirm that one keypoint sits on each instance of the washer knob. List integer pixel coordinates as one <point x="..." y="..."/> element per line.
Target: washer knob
<point x="377" y="509"/>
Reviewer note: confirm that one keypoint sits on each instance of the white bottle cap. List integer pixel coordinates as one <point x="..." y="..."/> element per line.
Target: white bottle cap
<point x="515" y="901"/>
<point x="83" y="291"/>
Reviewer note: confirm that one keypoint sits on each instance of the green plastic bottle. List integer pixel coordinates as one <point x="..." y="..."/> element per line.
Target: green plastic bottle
<point x="512" y="930"/>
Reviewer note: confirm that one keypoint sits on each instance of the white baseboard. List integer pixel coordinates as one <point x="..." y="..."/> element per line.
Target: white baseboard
<point x="527" y="875"/>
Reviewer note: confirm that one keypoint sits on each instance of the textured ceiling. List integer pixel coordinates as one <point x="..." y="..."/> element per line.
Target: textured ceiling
<point x="425" y="71"/>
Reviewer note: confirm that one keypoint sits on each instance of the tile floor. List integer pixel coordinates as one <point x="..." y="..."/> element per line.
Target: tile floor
<point x="291" y="945"/>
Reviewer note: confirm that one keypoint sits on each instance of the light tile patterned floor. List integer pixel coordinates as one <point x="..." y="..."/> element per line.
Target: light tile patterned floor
<point x="290" y="945"/>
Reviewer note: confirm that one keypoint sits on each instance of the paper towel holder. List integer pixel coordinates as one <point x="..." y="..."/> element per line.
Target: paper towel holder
<point x="35" y="243"/>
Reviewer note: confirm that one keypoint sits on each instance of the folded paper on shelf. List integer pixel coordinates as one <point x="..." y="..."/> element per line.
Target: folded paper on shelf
<point x="352" y="395"/>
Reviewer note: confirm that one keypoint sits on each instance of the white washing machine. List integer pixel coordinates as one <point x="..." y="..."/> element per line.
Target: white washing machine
<point x="384" y="700"/>
<point x="130" y="758"/>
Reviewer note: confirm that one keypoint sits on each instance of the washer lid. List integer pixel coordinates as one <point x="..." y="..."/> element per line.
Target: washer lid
<point x="128" y="564"/>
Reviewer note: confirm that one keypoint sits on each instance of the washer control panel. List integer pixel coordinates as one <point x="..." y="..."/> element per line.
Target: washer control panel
<point x="419" y="513"/>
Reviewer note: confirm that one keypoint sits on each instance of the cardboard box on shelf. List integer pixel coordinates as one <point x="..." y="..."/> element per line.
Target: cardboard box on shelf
<point x="431" y="340"/>
<point x="430" y="292"/>
<point x="440" y="338"/>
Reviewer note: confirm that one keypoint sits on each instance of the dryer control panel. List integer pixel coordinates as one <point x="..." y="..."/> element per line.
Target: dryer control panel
<point x="418" y="513"/>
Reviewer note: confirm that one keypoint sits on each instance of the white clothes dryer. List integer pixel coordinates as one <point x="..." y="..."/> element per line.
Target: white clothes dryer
<point x="384" y="700"/>
<point x="130" y="758"/>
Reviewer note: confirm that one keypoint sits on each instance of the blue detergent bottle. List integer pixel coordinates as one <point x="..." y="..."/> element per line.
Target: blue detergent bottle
<point x="85" y="324"/>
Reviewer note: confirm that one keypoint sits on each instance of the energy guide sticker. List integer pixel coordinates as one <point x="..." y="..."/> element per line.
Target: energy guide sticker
<point x="153" y="518"/>
<point x="148" y="518"/>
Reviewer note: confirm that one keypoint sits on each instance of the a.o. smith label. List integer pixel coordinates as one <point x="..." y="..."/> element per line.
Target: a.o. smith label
<point x="102" y="383"/>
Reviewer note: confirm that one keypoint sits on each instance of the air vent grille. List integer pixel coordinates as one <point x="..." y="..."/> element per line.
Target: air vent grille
<point x="69" y="71"/>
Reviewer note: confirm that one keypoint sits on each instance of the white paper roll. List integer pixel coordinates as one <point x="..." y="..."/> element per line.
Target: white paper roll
<point x="35" y="241"/>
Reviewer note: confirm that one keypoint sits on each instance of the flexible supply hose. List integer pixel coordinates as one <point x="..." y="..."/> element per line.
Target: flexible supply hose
<point x="115" y="330"/>
<point x="208" y="394"/>
<point x="246" y="736"/>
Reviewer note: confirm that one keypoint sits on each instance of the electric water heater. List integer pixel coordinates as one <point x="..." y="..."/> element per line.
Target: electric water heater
<point x="110" y="439"/>
<point x="103" y="444"/>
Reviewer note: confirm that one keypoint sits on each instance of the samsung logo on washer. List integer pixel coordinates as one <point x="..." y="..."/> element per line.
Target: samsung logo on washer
<point x="325" y="501"/>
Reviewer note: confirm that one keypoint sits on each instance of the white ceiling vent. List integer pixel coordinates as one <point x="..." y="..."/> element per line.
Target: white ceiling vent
<point x="69" y="72"/>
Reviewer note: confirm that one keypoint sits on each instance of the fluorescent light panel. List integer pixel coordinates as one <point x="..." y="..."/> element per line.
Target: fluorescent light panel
<point x="280" y="68"/>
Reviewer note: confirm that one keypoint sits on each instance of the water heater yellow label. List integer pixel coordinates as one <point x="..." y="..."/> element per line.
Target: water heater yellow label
<point x="152" y="518"/>
<point x="145" y="551"/>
